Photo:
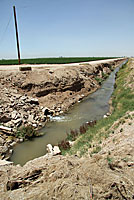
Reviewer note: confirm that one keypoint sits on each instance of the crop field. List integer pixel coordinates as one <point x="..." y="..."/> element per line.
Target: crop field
<point x="60" y="60"/>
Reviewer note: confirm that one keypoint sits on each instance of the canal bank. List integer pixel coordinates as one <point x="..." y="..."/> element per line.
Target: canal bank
<point x="93" y="107"/>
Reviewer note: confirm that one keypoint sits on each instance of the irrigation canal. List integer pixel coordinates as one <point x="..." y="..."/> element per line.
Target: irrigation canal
<point x="93" y="107"/>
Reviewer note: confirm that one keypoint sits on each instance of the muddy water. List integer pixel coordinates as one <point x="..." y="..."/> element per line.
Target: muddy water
<point x="92" y="107"/>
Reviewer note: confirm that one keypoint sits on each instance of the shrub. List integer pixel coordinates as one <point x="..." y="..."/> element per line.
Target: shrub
<point x="64" y="145"/>
<point x="26" y="132"/>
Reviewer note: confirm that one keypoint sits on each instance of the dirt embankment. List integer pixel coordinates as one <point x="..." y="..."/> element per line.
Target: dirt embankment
<point x="60" y="87"/>
<point x="56" y="87"/>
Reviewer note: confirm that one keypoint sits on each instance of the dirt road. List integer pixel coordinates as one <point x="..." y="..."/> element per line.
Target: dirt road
<point x="52" y="66"/>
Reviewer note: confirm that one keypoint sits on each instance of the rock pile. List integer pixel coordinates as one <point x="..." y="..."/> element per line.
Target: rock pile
<point x="23" y="110"/>
<point x="18" y="110"/>
<point x="6" y="143"/>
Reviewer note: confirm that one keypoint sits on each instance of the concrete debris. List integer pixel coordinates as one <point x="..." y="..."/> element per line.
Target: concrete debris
<point x="23" y="110"/>
<point x="4" y="162"/>
<point x="53" y="150"/>
<point x="6" y="129"/>
<point x="56" y="150"/>
<point x="49" y="149"/>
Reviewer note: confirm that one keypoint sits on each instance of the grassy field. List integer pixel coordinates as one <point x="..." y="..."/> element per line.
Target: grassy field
<point x="122" y="101"/>
<point x="60" y="60"/>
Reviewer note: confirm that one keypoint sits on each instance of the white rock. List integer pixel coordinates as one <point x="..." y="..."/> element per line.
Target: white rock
<point x="11" y="100"/>
<point x="56" y="150"/>
<point x="21" y="139"/>
<point x="50" y="149"/>
<point x="13" y="144"/>
<point x="23" y="98"/>
<point x="31" y="118"/>
<point x="34" y="125"/>
<point x="21" y="104"/>
<point x="11" y="151"/>
<point x="17" y="122"/>
<point x="15" y="115"/>
<point x="4" y="162"/>
<point x="105" y="116"/>
<point x="3" y="128"/>
<point x="71" y="143"/>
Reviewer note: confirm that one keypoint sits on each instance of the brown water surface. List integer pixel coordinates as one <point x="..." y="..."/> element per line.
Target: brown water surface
<point x="93" y="107"/>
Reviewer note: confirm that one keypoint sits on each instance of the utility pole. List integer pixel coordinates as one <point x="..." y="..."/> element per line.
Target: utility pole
<point x="17" y="37"/>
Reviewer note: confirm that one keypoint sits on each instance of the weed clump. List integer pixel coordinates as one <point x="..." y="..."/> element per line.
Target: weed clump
<point x="73" y="135"/>
<point x="82" y="130"/>
<point x="26" y="132"/>
<point x="64" y="145"/>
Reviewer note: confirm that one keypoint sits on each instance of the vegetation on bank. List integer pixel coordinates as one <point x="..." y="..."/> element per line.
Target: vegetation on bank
<point x="122" y="101"/>
<point x="60" y="60"/>
<point x="26" y="132"/>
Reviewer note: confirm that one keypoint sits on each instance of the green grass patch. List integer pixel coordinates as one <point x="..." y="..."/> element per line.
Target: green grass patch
<point x="60" y="60"/>
<point x="122" y="101"/>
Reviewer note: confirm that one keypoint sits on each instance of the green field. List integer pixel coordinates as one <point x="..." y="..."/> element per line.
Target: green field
<point x="60" y="60"/>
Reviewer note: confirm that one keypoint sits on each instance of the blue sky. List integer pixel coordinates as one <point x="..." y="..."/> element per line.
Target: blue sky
<point x="52" y="28"/>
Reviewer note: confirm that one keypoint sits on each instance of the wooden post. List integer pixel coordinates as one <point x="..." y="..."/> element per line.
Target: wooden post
<point x="17" y="37"/>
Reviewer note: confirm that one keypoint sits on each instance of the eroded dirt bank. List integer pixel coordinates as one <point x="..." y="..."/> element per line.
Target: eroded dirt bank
<point x="54" y="87"/>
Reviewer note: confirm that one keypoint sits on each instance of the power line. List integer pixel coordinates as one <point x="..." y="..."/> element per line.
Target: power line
<point x="1" y="40"/>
